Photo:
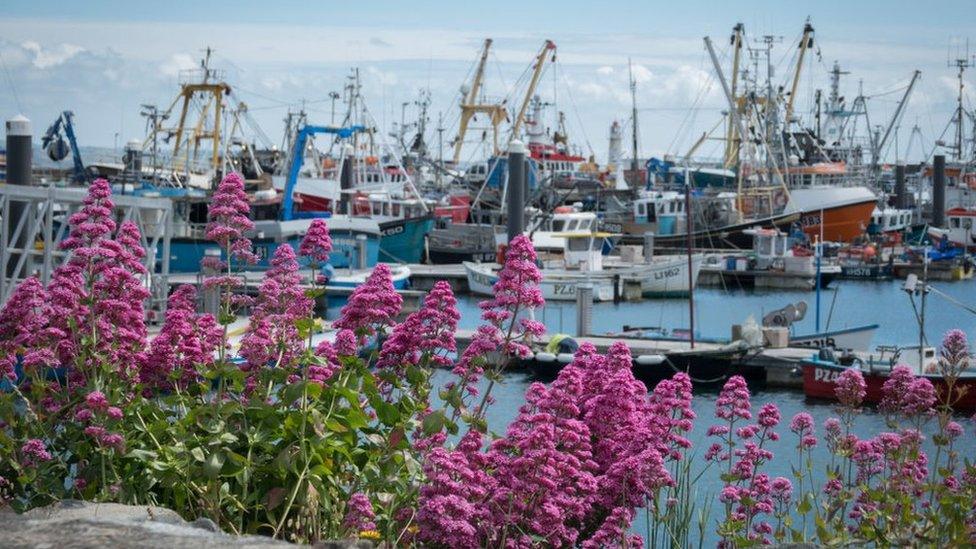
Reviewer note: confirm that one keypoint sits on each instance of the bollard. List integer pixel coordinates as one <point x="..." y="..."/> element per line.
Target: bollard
<point x="938" y="191"/>
<point x="901" y="194"/>
<point x="346" y="182"/>
<point x="584" y="309"/>
<point x="211" y="296"/>
<point x="648" y="246"/>
<point x="361" y="251"/>
<point x="19" y="157"/>
<point x="515" y="204"/>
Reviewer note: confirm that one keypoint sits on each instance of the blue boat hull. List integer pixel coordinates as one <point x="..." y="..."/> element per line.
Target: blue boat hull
<point x="402" y="241"/>
<point x="186" y="253"/>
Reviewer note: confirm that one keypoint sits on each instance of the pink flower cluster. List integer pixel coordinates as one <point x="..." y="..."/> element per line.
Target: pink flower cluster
<point x="186" y="343"/>
<point x="906" y="394"/>
<point x="509" y="329"/>
<point x="98" y="417"/>
<point x="749" y="494"/>
<point x="316" y="244"/>
<point x="373" y="305"/>
<point x="426" y="335"/>
<point x="273" y="336"/>
<point x="579" y="458"/>
<point x="359" y="514"/>
<point x="34" y="452"/>
<point x="850" y="388"/>
<point x="25" y="329"/>
<point x="92" y="311"/>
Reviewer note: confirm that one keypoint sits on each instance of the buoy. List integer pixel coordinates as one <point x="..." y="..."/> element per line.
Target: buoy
<point x="650" y="360"/>
<point x="545" y="357"/>
<point x="565" y="358"/>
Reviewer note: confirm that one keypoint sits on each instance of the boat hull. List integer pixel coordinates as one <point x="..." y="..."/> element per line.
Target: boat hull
<point x="555" y="287"/>
<point x="858" y="338"/>
<point x="839" y="214"/>
<point x="820" y="380"/>
<point x="402" y="240"/>
<point x="669" y="277"/>
<point x="725" y="238"/>
<point x="186" y="253"/>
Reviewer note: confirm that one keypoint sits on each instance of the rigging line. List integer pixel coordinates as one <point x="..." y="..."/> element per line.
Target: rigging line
<point x="10" y="81"/>
<point x="953" y="300"/>
<point x="579" y="119"/>
<point x="702" y="91"/>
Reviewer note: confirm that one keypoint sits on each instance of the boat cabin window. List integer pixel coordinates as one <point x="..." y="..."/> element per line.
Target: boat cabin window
<point x="641" y="209"/>
<point x="954" y="222"/>
<point x="557" y="224"/>
<point x="396" y="209"/>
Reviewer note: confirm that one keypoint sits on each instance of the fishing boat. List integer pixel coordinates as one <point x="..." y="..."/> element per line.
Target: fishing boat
<point x="717" y="223"/>
<point x="959" y="229"/>
<point x="584" y="263"/>
<point x="822" y="370"/>
<point x="856" y="338"/>
<point x="833" y="212"/>
<point x="706" y="367"/>
<point x="771" y="264"/>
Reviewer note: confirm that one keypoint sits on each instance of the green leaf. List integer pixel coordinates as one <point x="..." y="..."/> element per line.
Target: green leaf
<point x="214" y="464"/>
<point x="197" y="454"/>
<point x="434" y="422"/>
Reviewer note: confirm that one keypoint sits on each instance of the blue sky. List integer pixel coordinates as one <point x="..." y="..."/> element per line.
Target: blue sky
<point x="104" y="58"/>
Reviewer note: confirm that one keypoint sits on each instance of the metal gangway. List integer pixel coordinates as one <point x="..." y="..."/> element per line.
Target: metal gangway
<point x="33" y="220"/>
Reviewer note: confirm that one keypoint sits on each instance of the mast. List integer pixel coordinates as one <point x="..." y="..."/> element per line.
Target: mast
<point x="537" y="69"/>
<point x="962" y="63"/>
<point x="634" y="164"/>
<point x="731" y="135"/>
<point x="469" y="106"/>
<point x="805" y="42"/>
<point x="691" y="275"/>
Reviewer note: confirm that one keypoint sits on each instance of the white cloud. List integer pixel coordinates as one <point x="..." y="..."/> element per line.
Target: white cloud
<point x="44" y="58"/>
<point x="176" y="63"/>
<point x="605" y="70"/>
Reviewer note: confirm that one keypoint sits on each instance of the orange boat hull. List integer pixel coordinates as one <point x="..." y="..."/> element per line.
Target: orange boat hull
<point x="840" y="223"/>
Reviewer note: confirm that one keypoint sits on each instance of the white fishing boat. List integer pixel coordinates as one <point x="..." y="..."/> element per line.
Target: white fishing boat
<point x="583" y="262"/>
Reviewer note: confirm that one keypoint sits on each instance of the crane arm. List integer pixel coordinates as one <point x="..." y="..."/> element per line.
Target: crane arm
<point x="533" y="83"/>
<point x="805" y="43"/>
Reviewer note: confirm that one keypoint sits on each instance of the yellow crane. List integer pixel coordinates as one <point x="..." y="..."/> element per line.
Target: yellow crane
<point x="731" y="134"/>
<point x="806" y="42"/>
<point x="537" y="68"/>
<point x="470" y="107"/>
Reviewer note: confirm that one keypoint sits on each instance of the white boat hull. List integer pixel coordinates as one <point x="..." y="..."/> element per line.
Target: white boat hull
<point x="668" y="275"/>
<point x="858" y="338"/>
<point x="555" y="285"/>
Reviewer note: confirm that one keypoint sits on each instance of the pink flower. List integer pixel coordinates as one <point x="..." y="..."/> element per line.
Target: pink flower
<point x="906" y="394"/>
<point x="359" y="514"/>
<point x="345" y="343"/>
<point x="850" y="388"/>
<point x="426" y="335"/>
<point x="186" y="342"/>
<point x="34" y="451"/>
<point x="373" y="305"/>
<point x="113" y="413"/>
<point x="316" y="244"/>
<point x="273" y="335"/>
<point x="96" y="400"/>
<point x="733" y="400"/>
<point x="782" y="489"/>
<point x="506" y="332"/>
<point x="953" y="430"/>
<point x="229" y="211"/>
